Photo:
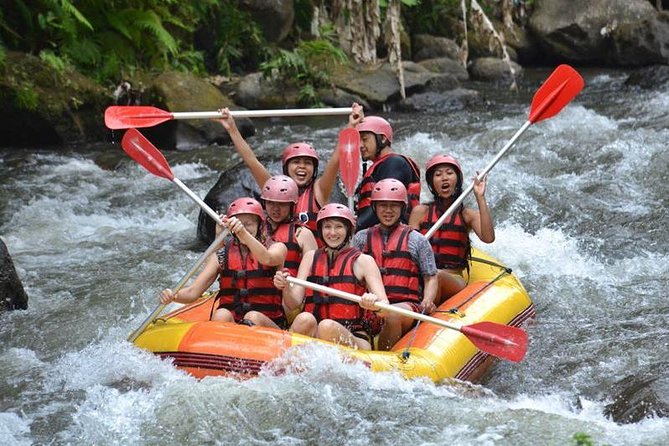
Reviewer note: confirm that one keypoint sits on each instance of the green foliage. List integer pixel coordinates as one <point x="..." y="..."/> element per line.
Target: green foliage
<point x="3" y="56"/>
<point x="428" y="16"/>
<point x="231" y="39"/>
<point x="308" y="66"/>
<point x="103" y="38"/>
<point x="26" y="98"/>
<point x="582" y="439"/>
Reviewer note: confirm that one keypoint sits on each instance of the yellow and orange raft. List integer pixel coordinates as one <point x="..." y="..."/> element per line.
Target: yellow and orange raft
<point x="204" y="348"/>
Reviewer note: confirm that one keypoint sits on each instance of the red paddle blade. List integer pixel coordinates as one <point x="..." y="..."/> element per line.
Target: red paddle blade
<point x="498" y="340"/>
<point x="130" y="116"/>
<point x="556" y="92"/>
<point x="349" y="158"/>
<point x="141" y="150"/>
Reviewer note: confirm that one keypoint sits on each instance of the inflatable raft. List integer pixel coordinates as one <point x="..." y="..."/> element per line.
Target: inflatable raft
<point x="204" y="348"/>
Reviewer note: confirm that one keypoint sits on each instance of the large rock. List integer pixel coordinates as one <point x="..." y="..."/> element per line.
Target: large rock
<point x="619" y="32"/>
<point x="426" y="46"/>
<point x="641" y="396"/>
<point x="41" y="106"/>
<point x="255" y="91"/>
<point x="12" y="294"/>
<point x="444" y="65"/>
<point x="183" y="92"/>
<point x="379" y="85"/>
<point x="493" y="69"/>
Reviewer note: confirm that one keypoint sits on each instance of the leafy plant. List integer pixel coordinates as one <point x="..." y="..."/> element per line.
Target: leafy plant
<point x="582" y="439"/>
<point x="308" y="66"/>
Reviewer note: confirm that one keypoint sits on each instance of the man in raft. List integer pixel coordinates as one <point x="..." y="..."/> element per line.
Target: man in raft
<point x="404" y="257"/>
<point x="245" y="268"/>
<point x="340" y="266"/>
<point x="376" y="136"/>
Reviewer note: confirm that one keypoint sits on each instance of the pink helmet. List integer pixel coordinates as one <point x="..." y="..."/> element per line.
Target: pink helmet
<point x="337" y="210"/>
<point x="245" y="205"/>
<point x="376" y="125"/>
<point x="389" y="189"/>
<point x="280" y="188"/>
<point x="299" y="149"/>
<point x="436" y="161"/>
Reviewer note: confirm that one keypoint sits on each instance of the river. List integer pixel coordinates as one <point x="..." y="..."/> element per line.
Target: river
<point x="580" y="210"/>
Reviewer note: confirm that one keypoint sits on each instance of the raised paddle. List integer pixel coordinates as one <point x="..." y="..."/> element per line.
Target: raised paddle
<point x="138" y="116"/>
<point x="496" y="339"/>
<point x="349" y="161"/>
<point x="159" y="309"/>
<point x="556" y="92"/>
<point x="145" y="153"/>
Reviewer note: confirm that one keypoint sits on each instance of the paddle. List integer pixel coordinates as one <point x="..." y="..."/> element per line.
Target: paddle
<point x="212" y="248"/>
<point x="556" y="92"/>
<point x="349" y="161"/>
<point x="130" y="116"/>
<point x="145" y="153"/>
<point x="496" y="339"/>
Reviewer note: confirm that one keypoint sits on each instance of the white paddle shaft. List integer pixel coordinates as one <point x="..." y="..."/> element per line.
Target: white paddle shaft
<point x="281" y="113"/>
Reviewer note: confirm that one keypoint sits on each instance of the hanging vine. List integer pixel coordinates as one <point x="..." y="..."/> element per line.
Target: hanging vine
<point x="393" y="41"/>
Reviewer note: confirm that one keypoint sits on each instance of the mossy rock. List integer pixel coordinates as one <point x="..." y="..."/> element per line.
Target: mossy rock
<point x="43" y="106"/>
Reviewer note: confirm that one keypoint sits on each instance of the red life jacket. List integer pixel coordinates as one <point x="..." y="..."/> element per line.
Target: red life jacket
<point x="246" y="285"/>
<point x="286" y="234"/>
<point x="364" y="191"/>
<point x="450" y="243"/>
<point x="338" y="275"/>
<point x="400" y="273"/>
<point x="307" y="207"/>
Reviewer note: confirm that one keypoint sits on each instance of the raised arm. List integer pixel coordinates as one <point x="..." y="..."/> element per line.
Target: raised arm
<point x="480" y="221"/>
<point x="259" y="172"/>
<point x="417" y="216"/>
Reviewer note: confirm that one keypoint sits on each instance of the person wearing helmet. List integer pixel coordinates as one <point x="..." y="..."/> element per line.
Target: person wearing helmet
<point x="339" y="266"/>
<point x="450" y="243"/>
<point x="245" y="267"/>
<point x="376" y="136"/>
<point x="404" y="258"/>
<point x="279" y="196"/>
<point x="300" y="162"/>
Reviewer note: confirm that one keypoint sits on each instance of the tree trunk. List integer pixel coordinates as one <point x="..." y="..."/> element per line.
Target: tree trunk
<point x="393" y="42"/>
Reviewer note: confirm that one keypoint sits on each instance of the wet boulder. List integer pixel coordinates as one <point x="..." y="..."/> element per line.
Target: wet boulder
<point x="640" y="396"/>
<point x="493" y="69"/>
<point x="13" y="296"/>
<point x="275" y="17"/>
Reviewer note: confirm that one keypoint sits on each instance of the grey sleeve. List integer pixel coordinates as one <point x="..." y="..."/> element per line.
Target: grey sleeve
<point x="359" y="239"/>
<point x="421" y="251"/>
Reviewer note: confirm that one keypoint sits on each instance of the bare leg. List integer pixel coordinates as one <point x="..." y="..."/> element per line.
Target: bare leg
<point x="260" y="319"/>
<point x="223" y="315"/>
<point x="450" y="284"/>
<point x="394" y="327"/>
<point x="332" y="331"/>
<point x="305" y="323"/>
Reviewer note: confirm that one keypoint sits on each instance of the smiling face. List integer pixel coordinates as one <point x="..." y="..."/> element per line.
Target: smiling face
<point x="388" y="212"/>
<point x="445" y="180"/>
<point x="277" y="211"/>
<point x="251" y="223"/>
<point x="301" y="169"/>
<point x="334" y="231"/>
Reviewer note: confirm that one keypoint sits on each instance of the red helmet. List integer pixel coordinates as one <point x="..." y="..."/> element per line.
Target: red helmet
<point x="389" y="189"/>
<point x="335" y="210"/>
<point x="280" y="188"/>
<point x="299" y="149"/>
<point x="245" y="205"/>
<point x="376" y="125"/>
<point x="436" y="161"/>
